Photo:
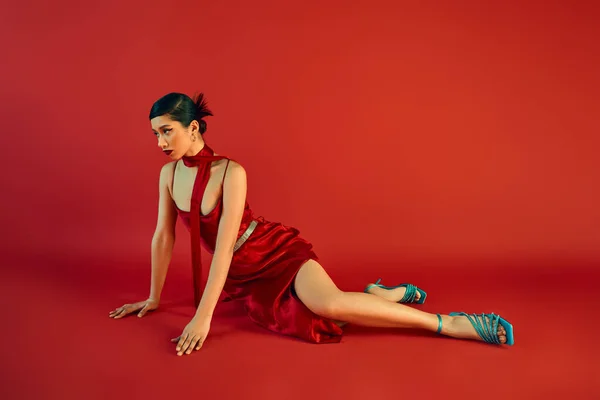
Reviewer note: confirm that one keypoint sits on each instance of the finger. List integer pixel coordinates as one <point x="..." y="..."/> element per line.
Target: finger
<point x="185" y="345"/>
<point x="192" y="344"/>
<point x="123" y="312"/>
<point x="176" y="339"/>
<point x="199" y="344"/>
<point x="118" y="312"/>
<point x="143" y="312"/>
<point x="182" y="338"/>
<point x="115" y="311"/>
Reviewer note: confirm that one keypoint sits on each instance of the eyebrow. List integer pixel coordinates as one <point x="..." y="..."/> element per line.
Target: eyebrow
<point x="161" y="127"/>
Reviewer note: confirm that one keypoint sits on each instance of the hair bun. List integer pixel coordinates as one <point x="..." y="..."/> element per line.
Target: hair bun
<point x="202" y="126"/>
<point x="201" y="111"/>
<point x="201" y="107"/>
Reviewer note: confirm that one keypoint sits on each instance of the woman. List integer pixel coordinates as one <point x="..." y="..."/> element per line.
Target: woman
<point x="265" y="265"/>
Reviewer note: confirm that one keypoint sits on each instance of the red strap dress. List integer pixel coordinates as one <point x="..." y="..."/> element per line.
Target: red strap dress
<point x="263" y="269"/>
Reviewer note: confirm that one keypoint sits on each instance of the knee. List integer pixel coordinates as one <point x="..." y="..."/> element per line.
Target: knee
<point x="330" y="307"/>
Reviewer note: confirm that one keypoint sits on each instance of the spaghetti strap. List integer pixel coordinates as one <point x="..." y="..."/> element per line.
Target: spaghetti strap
<point x="225" y="173"/>
<point x="173" y="180"/>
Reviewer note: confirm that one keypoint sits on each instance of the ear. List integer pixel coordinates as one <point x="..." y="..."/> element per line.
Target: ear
<point x="194" y="127"/>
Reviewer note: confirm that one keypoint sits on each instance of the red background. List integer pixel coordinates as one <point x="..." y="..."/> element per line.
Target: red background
<point x="451" y="145"/>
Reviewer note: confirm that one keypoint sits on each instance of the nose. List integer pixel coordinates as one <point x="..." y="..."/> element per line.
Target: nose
<point x="162" y="143"/>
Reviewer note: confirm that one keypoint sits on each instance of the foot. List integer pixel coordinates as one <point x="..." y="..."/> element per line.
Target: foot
<point x="460" y="327"/>
<point x="394" y="295"/>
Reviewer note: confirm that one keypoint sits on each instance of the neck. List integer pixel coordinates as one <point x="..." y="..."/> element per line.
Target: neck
<point x="195" y="148"/>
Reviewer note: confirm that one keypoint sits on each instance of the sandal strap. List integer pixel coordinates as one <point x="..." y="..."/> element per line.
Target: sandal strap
<point x="486" y="325"/>
<point x="373" y="285"/>
<point x="410" y="294"/>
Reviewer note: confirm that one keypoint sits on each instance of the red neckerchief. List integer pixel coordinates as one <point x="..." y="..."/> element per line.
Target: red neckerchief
<point x="203" y="161"/>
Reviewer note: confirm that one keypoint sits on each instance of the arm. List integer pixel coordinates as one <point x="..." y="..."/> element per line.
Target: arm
<point x="164" y="235"/>
<point x="234" y="198"/>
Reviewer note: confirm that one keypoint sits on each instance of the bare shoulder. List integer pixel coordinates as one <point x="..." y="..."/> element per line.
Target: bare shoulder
<point x="235" y="172"/>
<point x="234" y="166"/>
<point x="167" y="212"/>
<point x="166" y="174"/>
<point x="168" y="168"/>
<point x="235" y="180"/>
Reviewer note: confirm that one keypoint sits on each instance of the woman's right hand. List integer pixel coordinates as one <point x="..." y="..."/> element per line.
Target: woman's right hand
<point x="144" y="306"/>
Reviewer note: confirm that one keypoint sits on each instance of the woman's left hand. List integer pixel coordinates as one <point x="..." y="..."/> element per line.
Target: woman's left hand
<point x="193" y="336"/>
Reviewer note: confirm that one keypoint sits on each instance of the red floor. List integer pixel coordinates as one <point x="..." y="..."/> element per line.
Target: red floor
<point x="58" y="342"/>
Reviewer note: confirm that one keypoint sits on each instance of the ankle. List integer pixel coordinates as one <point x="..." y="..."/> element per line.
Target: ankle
<point x="447" y="324"/>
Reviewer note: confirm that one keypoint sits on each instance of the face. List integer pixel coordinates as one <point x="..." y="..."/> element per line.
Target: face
<point x="173" y="138"/>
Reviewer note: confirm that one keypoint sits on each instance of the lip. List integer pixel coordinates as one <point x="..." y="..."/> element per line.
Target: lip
<point x="167" y="152"/>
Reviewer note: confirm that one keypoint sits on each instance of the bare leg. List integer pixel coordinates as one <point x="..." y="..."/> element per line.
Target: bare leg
<point x="318" y="292"/>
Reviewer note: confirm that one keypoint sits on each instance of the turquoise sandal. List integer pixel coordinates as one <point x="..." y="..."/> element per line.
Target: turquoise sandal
<point x="410" y="294"/>
<point x="487" y="328"/>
